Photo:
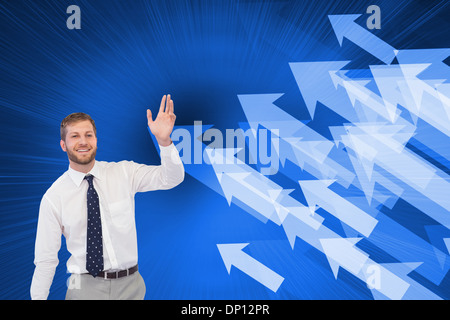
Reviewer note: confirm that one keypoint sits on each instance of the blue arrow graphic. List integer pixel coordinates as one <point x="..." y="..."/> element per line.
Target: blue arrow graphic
<point x="345" y="26"/>
<point x="232" y="255"/>
<point x="317" y="192"/>
<point x="314" y="82"/>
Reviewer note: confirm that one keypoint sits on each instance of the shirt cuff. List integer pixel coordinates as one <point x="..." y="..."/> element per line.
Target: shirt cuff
<point x="168" y="151"/>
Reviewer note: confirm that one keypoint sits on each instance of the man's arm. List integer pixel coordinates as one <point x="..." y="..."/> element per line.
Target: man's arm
<point x="151" y="177"/>
<point x="48" y="243"/>
<point x="171" y="171"/>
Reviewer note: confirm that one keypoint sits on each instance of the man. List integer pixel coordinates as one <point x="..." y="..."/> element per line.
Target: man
<point x="92" y="205"/>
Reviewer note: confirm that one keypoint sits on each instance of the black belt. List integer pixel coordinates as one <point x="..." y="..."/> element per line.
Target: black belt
<point x="117" y="274"/>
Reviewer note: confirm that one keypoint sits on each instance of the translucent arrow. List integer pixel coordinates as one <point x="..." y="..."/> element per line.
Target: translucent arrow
<point x="232" y="255"/>
<point x="344" y="26"/>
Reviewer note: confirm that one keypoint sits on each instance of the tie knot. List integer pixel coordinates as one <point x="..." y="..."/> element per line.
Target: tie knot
<point x="89" y="178"/>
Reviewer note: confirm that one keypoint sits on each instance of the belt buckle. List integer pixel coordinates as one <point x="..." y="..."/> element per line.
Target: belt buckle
<point x="105" y="275"/>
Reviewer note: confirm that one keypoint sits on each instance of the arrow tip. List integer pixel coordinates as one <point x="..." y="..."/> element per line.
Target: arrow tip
<point x="342" y="24"/>
<point x="335" y="247"/>
<point x="228" y="252"/>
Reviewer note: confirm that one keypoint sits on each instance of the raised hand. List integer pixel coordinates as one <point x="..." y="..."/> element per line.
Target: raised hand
<point x="162" y="126"/>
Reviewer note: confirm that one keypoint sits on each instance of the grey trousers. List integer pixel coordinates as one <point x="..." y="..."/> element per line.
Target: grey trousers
<point x="86" y="287"/>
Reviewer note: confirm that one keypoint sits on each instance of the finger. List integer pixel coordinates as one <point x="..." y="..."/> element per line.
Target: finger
<point x="168" y="104"/>
<point x="149" y="116"/>
<point x="171" y="106"/>
<point x="163" y="102"/>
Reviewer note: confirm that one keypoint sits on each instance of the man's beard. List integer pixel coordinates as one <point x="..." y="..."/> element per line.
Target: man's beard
<point x="78" y="160"/>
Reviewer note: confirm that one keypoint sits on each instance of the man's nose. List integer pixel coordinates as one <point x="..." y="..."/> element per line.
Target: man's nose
<point x="82" y="141"/>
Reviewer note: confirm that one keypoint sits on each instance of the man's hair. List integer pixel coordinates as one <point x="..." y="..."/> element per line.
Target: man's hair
<point x="73" y="118"/>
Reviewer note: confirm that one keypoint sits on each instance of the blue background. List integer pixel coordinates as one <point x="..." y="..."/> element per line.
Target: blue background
<point x="205" y="53"/>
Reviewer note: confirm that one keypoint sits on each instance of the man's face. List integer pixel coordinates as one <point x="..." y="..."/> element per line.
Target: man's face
<point x="80" y="143"/>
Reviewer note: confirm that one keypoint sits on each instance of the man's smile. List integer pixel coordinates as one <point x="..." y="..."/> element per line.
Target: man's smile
<point x="83" y="150"/>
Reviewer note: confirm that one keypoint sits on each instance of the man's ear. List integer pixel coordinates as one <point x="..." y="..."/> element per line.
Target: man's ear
<point x="63" y="145"/>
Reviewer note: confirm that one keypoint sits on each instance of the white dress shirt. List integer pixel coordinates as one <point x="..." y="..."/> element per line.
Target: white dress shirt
<point x="63" y="210"/>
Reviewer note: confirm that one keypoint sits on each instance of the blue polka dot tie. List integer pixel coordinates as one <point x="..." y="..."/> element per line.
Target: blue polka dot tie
<point x="94" y="245"/>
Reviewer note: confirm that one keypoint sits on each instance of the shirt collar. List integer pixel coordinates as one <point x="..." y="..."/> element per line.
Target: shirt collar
<point x="77" y="176"/>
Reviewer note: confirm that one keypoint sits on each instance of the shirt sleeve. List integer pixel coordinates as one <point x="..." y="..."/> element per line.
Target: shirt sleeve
<point x="48" y="243"/>
<point x="165" y="176"/>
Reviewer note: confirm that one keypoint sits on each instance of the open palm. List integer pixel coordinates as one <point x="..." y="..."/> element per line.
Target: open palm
<point x="162" y="126"/>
